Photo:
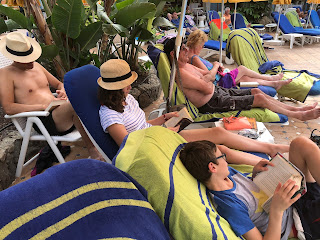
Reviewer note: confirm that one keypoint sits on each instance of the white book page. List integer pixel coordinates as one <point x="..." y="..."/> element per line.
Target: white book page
<point x="183" y="113"/>
<point x="267" y="181"/>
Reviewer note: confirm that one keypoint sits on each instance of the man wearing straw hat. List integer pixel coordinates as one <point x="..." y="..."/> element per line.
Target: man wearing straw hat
<point x="25" y="87"/>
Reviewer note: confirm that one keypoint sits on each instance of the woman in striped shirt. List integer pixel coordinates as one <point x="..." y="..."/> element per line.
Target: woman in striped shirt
<point x="120" y="114"/>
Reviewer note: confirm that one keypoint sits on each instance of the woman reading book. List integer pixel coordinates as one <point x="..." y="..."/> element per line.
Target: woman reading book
<point x="120" y="114"/>
<point x="195" y="43"/>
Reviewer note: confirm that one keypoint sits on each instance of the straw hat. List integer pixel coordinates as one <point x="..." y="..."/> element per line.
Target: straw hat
<point x="116" y="74"/>
<point x="20" y="48"/>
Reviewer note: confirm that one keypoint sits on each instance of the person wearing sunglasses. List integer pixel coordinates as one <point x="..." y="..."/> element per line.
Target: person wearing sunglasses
<point x="238" y="199"/>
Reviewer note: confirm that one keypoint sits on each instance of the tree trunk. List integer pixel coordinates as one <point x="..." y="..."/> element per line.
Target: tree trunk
<point x="34" y="9"/>
<point x="105" y="37"/>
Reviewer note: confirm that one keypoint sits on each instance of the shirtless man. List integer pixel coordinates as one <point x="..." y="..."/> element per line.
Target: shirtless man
<point x="208" y="98"/>
<point x="25" y="87"/>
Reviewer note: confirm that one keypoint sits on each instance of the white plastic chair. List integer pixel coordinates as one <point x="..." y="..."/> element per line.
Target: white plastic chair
<point x="24" y="122"/>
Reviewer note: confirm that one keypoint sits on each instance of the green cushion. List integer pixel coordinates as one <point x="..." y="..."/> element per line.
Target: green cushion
<point x="150" y="157"/>
<point x="293" y="18"/>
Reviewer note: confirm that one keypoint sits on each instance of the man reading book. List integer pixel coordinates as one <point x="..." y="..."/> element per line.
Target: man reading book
<point x="239" y="200"/>
<point x="25" y="87"/>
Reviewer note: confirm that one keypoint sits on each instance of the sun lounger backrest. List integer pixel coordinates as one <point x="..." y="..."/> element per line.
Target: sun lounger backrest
<point x="284" y="25"/>
<point x="314" y="18"/>
<point x="293" y="18"/>
<point x="240" y="23"/>
<point x="215" y="26"/>
<point x="81" y="87"/>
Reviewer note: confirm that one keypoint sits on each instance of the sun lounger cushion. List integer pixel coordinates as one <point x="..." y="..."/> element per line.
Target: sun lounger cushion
<point x="314" y="18"/>
<point x="82" y="199"/>
<point x="82" y="87"/>
<point x="162" y="65"/>
<point x="287" y="28"/>
<point x="215" y="45"/>
<point x="151" y="157"/>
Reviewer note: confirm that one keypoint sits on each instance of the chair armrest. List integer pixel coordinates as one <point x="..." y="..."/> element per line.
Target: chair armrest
<point x="29" y="114"/>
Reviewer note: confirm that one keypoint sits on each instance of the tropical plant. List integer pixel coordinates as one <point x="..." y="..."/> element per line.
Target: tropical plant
<point x="254" y="11"/>
<point x="69" y="33"/>
<point x="129" y="24"/>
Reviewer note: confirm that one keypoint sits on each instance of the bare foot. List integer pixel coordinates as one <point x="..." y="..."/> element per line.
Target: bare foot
<point x="309" y="114"/>
<point x="281" y="83"/>
<point x="281" y="148"/>
<point x="277" y="77"/>
<point x="94" y="154"/>
<point x="305" y="108"/>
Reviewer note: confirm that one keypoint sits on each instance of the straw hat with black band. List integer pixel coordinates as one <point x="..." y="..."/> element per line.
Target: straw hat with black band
<point x="116" y="74"/>
<point x="20" y="48"/>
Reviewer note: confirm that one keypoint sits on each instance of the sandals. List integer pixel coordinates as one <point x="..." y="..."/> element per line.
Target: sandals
<point x="315" y="138"/>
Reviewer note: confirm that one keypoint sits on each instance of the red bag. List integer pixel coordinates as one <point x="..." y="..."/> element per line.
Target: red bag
<point x="236" y="123"/>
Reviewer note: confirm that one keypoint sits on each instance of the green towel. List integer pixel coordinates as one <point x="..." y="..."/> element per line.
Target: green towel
<point x="151" y="157"/>
<point x="246" y="48"/>
<point x="293" y="18"/>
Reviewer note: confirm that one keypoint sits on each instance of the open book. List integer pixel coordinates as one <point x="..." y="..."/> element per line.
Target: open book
<point x="183" y="120"/>
<point x="249" y="84"/>
<point x="282" y="171"/>
<point x="54" y="104"/>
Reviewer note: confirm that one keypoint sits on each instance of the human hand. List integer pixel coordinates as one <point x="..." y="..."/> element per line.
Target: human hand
<point x="221" y="68"/>
<point x="175" y="129"/>
<point x="261" y="166"/>
<point x="216" y="64"/>
<point x="61" y="94"/>
<point x="282" y="197"/>
<point x="169" y="115"/>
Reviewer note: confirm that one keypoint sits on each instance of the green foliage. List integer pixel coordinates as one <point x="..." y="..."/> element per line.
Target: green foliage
<point x="254" y="11"/>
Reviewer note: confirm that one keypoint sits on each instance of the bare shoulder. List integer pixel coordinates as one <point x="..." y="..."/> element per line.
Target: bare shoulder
<point x="6" y="74"/>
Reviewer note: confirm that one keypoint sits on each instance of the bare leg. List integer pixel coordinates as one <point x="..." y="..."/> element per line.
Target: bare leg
<point x="277" y="84"/>
<point x="221" y="136"/>
<point x="243" y="71"/>
<point x="255" y="91"/>
<point x="305" y="154"/>
<point x="262" y="100"/>
<point x="238" y="157"/>
<point x="65" y="117"/>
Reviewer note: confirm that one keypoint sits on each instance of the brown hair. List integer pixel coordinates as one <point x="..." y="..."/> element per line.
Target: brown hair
<point x="112" y="99"/>
<point x="196" y="156"/>
<point x="196" y="38"/>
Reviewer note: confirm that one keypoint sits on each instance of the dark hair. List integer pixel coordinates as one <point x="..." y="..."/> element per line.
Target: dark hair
<point x="112" y="99"/>
<point x="196" y="156"/>
<point x="169" y="47"/>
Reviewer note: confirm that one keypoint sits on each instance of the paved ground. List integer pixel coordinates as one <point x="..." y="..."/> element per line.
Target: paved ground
<point x="299" y="58"/>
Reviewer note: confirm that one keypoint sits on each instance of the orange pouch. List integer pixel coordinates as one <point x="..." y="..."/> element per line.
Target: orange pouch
<point x="236" y="123"/>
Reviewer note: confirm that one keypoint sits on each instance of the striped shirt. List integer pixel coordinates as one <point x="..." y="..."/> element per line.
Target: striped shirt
<point x="133" y="118"/>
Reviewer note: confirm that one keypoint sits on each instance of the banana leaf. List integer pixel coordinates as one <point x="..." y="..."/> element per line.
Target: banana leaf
<point x="89" y="36"/>
<point x="49" y="51"/>
<point x="66" y="17"/>
<point x="128" y="15"/>
<point x="3" y="26"/>
<point x="16" y="16"/>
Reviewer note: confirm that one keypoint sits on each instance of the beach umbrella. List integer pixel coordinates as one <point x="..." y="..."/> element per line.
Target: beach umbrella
<point x="280" y="2"/>
<point x="312" y="2"/>
<point x="221" y="24"/>
<point x="177" y="49"/>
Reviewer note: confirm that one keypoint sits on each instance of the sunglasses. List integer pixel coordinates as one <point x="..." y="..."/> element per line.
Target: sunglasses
<point x="184" y="48"/>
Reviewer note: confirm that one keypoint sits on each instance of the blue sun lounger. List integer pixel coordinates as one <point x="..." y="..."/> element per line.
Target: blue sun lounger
<point x="315" y="20"/>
